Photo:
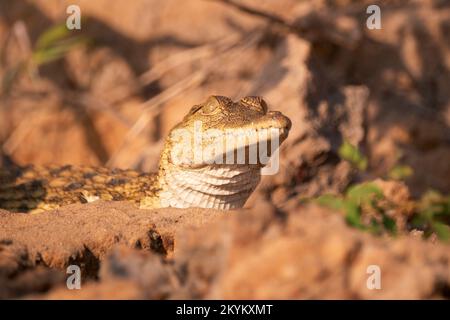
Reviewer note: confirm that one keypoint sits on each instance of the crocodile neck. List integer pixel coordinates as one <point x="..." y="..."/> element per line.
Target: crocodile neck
<point x="219" y="187"/>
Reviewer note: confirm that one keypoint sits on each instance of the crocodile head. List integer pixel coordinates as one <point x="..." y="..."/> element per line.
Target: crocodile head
<point x="214" y="156"/>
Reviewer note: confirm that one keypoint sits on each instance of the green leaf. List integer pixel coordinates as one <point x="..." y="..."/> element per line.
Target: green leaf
<point x="353" y="215"/>
<point x="57" y="51"/>
<point x="389" y="224"/>
<point x="330" y="201"/>
<point x="51" y="36"/>
<point x="442" y="230"/>
<point x="400" y="172"/>
<point x="364" y="193"/>
<point x="374" y="227"/>
<point x="420" y="221"/>
<point x="48" y="55"/>
<point x="349" y="152"/>
<point x="434" y="205"/>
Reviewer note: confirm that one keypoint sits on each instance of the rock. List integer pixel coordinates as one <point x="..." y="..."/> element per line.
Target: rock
<point x="84" y="234"/>
<point x="126" y="274"/>
<point x="312" y="254"/>
<point x="306" y="253"/>
<point x="19" y="276"/>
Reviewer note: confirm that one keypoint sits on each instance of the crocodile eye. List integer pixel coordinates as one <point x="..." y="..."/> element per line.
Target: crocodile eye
<point x="210" y="106"/>
<point x="208" y="109"/>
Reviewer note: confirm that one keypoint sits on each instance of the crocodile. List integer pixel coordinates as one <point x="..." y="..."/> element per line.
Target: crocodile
<point x="198" y="167"/>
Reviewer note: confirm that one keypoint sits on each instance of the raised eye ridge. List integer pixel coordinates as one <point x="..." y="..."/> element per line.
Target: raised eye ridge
<point x="210" y="105"/>
<point x="255" y="102"/>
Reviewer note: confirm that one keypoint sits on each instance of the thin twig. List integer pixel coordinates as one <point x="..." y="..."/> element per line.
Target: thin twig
<point x="186" y="56"/>
<point x="261" y="14"/>
<point x="93" y="104"/>
<point x="312" y="26"/>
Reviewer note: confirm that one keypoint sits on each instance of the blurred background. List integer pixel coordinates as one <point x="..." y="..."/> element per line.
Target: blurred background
<point x="107" y="95"/>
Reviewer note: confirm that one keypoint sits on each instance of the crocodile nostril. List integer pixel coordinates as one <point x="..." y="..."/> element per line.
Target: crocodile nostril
<point x="281" y="119"/>
<point x="274" y="114"/>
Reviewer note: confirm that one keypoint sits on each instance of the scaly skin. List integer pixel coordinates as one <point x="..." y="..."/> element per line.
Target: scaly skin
<point x="183" y="180"/>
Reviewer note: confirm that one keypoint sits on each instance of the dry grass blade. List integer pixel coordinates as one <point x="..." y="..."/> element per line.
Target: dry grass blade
<point x="152" y="107"/>
<point x="260" y="13"/>
<point x="186" y="56"/>
<point x="17" y="137"/>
